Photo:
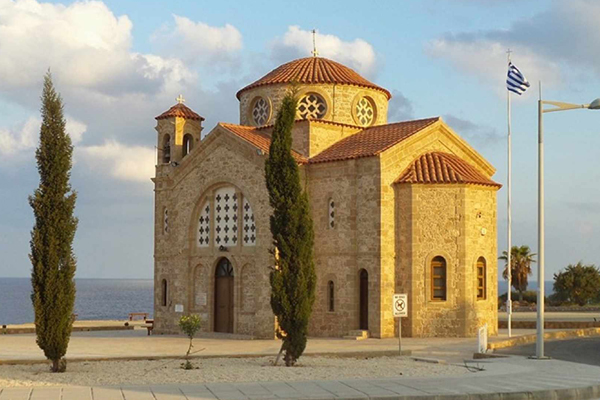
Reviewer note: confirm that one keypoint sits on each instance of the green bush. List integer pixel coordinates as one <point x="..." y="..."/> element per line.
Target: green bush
<point x="579" y="284"/>
<point x="529" y="296"/>
<point x="189" y="325"/>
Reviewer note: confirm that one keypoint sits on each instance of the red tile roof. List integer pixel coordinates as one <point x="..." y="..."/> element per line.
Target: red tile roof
<point x="180" y="110"/>
<point x="313" y="70"/>
<point x="438" y="167"/>
<point x="260" y="140"/>
<point x="372" y="141"/>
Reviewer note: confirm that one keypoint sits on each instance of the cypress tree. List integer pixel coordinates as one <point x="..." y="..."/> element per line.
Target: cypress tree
<point x="293" y="280"/>
<point x="53" y="203"/>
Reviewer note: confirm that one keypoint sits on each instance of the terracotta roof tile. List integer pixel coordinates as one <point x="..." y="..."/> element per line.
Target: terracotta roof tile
<point x="372" y="141"/>
<point x="258" y="139"/>
<point x="180" y="110"/>
<point x="435" y="167"/>
<point x="313" y="70"/>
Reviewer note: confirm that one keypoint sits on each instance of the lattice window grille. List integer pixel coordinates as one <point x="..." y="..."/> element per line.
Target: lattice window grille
<point x="204" y="225"/>
<point x="166" y="221"/>
<point x="225" y="214"/>
<point x="312" y="106"/>
<point x="331" y="213"/>
<point x="261" y="111"/>
<point x="249" y="225"/>
<point x="365" y="112"/>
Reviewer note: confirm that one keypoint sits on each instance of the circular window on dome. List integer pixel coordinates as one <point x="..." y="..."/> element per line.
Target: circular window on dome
<point x="261" y="111"/>
<point x="312" y="106"/>
<point x="365" y="111"/>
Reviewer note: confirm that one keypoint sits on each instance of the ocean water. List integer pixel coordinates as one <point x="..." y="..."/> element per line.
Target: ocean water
<point x="103" y="299"/>
<point x="99" y="299"/>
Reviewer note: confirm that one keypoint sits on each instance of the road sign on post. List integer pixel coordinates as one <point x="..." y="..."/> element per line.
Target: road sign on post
<point x="400" y="307"/>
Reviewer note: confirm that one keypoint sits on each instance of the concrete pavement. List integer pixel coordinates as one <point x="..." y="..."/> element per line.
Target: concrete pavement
<point x="583" y="350"/>
<point x="512" y="378"/>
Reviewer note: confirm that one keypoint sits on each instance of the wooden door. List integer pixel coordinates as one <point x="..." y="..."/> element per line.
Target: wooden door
<point x="364" y="300"/>
<point x="224" y="297"/>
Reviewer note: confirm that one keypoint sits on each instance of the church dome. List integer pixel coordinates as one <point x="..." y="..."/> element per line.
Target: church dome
<point x="313" y="70"/>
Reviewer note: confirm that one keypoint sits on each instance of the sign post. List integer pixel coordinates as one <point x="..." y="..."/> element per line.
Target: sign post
<point x="400" y="307"/>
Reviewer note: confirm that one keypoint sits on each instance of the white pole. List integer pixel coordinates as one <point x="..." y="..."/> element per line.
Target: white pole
<point x="400" y="335"/>
<point x="540" y="297"/>
<point x="509" y="228"/>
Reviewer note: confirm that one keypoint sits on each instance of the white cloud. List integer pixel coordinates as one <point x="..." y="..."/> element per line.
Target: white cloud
<point x="296" y="43"/>
<point x="84" y="44"/>
<point x="75" y="129"/>
<point x="128" y="163"/>
<point x="23" y="138"/>
<point x="199" y="42"/>
<point x="552" y="46"/>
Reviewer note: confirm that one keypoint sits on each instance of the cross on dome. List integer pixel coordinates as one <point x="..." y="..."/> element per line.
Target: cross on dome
<point x="180" y="99"/>
<point x="315" y="53"/>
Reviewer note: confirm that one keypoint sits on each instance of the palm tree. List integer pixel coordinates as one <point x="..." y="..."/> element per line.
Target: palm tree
<point x="521" y="259"/>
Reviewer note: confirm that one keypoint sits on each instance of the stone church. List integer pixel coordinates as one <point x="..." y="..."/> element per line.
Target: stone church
<point x="398" y="207"/>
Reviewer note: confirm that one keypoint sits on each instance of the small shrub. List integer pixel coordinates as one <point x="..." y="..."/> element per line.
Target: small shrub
<point x="189" y="325"/>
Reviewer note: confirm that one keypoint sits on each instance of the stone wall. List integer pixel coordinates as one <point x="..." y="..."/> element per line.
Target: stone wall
<point x="341" y="101"/>
<point x="190" y="270"/>
<point x="351" y="245"/>
<point x="422" y="221"/>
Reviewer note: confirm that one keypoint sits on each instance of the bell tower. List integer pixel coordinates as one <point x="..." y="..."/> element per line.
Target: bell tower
<point x="179" y="130"/>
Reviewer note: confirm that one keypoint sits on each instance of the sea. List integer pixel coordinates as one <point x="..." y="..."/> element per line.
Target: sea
<point x="96" y="299"/>
<point x="105" y="299"/>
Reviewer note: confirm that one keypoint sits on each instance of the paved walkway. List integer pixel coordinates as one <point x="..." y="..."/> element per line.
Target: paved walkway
<point x="519" y="377"/>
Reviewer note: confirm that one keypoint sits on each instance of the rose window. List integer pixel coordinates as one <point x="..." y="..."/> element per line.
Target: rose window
<point x="365" y="112"/>
<point x="261" y="111"/>
<point x="312" y="106"/>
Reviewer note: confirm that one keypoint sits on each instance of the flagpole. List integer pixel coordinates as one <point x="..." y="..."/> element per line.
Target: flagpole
<point x="509" y="216"/>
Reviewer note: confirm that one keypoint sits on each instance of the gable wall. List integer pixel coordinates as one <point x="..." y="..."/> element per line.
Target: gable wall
<point x="190" y="269"/>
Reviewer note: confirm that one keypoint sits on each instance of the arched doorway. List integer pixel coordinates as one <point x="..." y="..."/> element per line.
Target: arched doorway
<point x="364" y="300"/>
<point x="224" y="296"/>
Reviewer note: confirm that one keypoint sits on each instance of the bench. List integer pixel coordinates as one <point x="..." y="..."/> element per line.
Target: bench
<point x="149" y="325"/>
<point x="132" y="315"/>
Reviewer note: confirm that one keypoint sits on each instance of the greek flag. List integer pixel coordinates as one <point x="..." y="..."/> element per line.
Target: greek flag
<point x="516" y="82"/>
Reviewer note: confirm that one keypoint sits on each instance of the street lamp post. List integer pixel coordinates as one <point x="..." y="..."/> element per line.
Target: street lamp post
<point x="558" y="106"/>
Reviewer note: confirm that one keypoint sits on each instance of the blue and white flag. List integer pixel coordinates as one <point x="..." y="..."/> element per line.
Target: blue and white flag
<point x="516" y="81"/>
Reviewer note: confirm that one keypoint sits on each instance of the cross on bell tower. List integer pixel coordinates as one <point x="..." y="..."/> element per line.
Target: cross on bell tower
<point x="180" y="99"/>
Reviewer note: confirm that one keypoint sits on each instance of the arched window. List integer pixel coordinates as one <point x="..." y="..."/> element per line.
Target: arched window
<point x="164" y="293"/>
<point x="330" y="296"/>
<point x="481" y="279"/>
<point x="166" y="149"/>
<point x="331" y="213"/>
<point x="188" y="143"/>
<point x="438" y="279"/>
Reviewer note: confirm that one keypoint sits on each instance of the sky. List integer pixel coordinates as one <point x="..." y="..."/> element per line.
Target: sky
<point x="118" y="64"/>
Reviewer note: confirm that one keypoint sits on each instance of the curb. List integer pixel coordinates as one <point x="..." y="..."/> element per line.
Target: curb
<point x="560" y="335"/>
